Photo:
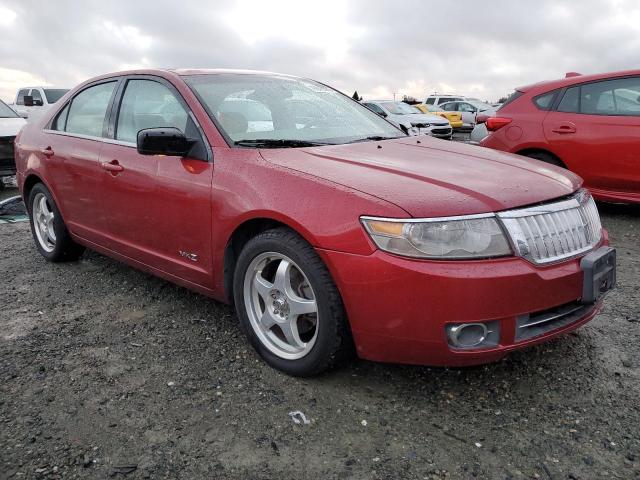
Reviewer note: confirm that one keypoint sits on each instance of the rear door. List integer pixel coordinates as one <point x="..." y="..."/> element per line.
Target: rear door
<point x="158" y="208"/>
<point x="71" y="148"/>
<point x="595" y="130"/>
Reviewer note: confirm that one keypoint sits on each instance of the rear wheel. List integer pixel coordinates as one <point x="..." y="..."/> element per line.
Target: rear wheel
<point x="288" y="305"/>
<point x="49" y="231"/>
<point x="545" y="157"/>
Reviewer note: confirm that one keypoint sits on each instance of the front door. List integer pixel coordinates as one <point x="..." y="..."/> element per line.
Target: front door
<point x="158" y="208"/>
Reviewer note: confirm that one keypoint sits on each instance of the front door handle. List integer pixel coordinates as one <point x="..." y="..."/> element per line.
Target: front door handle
<point x="564" y="128"/>
<point x="113" y="166"/>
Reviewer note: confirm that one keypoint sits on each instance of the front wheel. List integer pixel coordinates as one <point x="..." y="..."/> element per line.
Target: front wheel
<point x="49" y="231"/>
<point x="288" y="305"/>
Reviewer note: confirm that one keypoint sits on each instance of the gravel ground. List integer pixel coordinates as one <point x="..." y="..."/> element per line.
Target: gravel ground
<point x="109" y="372"/>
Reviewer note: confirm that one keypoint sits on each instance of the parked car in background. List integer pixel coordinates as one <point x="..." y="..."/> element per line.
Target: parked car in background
<point x="455" y="118"/>
<point x="335" y="235"/>
<point x="437" y="99"/>
<point x="32" y="99"/>
<point x="410" y="119"/>
<point x="469" y="110"/>
<point x="589" y="124"/>
<point x="10" y="125"/>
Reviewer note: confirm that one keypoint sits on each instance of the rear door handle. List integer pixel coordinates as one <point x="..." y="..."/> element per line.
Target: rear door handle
<point x="564" y="129"/>
<point x="112" y="166"/>
<point x="47" y="152"/>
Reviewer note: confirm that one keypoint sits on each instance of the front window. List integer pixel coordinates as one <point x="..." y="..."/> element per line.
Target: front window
<point x="6" y="112"/>
<point x="54" y="94"/>
<point x="400" y="108"/>
<point x="278" y="108"/>
<point x="148" y="104"/>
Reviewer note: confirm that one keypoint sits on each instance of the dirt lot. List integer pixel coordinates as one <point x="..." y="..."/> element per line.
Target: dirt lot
<point x="108" y="372"/>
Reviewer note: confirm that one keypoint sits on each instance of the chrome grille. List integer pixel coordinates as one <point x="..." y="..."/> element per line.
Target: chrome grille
<point x="554" y="231"/>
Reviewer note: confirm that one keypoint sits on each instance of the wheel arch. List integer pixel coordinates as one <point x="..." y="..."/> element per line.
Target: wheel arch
<point x="245" y="231"/>
<point x="529" y="150"/>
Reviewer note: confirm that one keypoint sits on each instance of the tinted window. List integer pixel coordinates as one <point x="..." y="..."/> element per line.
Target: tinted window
<point x="450" y="107"/>
<point x="375" y="108"/>
<point x="465" y="107"/>
<point x="430" y="101"/>
<point x="88" y="109"/>
<point x="35" y="93"/>
<point x="445" y="99"/>
<point x="148" y="104"/>
<point x="60" y="121"/>
<point x="570" y="102"/>
<point x="514" y="96"/>
<point x="54" y="94"/>
<point x="21" y="94"/>
<point x="544" y="101"/>
<point x="6" y="112"/>
<point x="611" y="97"/>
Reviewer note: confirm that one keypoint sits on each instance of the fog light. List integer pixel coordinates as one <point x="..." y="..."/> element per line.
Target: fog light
<point x="473" y="335"/>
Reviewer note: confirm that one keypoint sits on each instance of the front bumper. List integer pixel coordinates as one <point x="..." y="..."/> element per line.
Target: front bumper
<point x="441" y="132"/>
<point x="399" y="308"/>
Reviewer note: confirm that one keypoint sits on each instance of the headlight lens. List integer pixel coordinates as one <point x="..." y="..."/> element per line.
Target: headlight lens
<point x="457" y="238"/>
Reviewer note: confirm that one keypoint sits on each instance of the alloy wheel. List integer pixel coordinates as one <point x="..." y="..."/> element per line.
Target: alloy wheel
<point x="281" y="305"/>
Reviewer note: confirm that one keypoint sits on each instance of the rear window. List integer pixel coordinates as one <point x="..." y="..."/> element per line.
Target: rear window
<point x="54" y="94"/>
<point x="544" y="101"/>
<point x="514" y="96"/>
<point x="430" y="101"/>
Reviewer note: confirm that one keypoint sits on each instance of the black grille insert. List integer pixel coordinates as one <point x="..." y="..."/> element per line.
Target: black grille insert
<point x="535" y="324"/>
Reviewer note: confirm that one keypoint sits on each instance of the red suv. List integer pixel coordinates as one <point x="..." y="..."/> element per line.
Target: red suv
<point x="325" y="225"/>
<point x="589" y="124"/>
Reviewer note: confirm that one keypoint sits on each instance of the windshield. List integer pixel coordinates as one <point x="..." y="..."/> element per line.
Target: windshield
<point x="400" y="108"/>
<point x="482" y="106"/>
<point x="270" y="107"/>
<point x="5" y="111"/>
<point x="54" y="94"/>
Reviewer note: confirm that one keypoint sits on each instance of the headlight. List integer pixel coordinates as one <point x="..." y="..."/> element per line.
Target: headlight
<point x="477" y="236"/>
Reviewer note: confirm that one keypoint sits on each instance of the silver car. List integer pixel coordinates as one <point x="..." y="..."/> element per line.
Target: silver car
<point x="411" y="120"/>
<point x="469" y="110"/>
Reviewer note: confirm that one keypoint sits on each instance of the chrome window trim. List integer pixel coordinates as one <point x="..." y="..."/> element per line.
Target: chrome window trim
<point x="91" y="137"/>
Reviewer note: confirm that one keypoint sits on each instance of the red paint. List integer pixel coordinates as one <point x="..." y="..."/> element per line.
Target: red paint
<point x="145" y="210"/>
<point x="602" y="149"/>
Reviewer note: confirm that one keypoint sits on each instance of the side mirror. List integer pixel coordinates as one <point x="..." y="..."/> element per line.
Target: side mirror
<point x="28" y="101"/>
<point x="167" y="141"/>
<point x="383" y="114"/>
<point x="38" y="103"/>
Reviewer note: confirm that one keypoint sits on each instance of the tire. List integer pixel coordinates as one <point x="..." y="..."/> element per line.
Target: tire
<point x="545" y="157"/>
<point x="320" y="346"/>
<point x="53" y="241"/>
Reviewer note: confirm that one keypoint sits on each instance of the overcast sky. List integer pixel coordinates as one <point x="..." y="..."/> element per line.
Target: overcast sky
<point x="478" y="48"/>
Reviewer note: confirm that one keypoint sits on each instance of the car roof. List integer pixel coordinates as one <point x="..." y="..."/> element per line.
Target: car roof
<point x="575" y="79"/>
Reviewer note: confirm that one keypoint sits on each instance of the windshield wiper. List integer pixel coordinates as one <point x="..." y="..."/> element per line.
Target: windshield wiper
<point x="372" y="138"/>
<point x="278" y="143"/>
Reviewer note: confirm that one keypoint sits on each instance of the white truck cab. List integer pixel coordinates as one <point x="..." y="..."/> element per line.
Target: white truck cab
<point x="31" y="99"/>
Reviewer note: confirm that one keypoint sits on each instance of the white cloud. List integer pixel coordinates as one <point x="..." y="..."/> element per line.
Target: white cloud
<point x="7" y="16"/>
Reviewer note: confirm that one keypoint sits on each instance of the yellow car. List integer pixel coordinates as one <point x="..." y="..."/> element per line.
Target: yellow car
<point x="455" y="118"/>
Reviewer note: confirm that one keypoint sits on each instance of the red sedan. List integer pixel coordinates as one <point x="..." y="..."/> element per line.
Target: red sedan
<point x="325" y="225"/>
<point x="589" y="124"/>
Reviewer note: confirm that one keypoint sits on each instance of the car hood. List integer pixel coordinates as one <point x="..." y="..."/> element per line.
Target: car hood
<point x="421" y="117"/>
<point x="432" y="178"/>
<point x="9" y="127"/>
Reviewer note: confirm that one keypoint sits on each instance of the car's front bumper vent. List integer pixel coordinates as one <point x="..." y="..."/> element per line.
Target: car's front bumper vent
<point x="533" y="325"/>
